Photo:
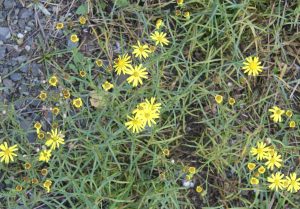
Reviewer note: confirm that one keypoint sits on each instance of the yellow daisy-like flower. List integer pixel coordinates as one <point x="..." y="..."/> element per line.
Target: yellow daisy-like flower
<point x="289" y="113"/>
<point x="7" y="153"/>
<point x="34" y="181"/>
<point x="159" y="38"/>
<point x="293" y="183"/>
<point x="82" y="20"/>
<point x="82" y="73"/>
<point x="199" y="189"/>
<point x="261" y="170"/>
<point x="219" y="98"/>
<point x="122" y="64"/>
<point x="273" y="160"/>
<point x="292" y="124"/>
<point x="254" y="181"/>
<point x="148" y="116"/>
<point x="53" y="80"/>
<point x="180" y="2"/>
<point x="135" y="123"/>
<point x="159" y="23"/>
<point x="59" y="26"/>
<point x="277" y="112"/>
<point x="166" y="152"/>
<point x="231" y="101"/>
<point x="187" y="15"/>
<point x="251" y="166"/>
<point x="27" y="166"/>
<point x="99" y="63"/>
<point x="44" y="172"/>
<point x="45" y="155"/>
<point x="276" y="181"/>
<point x="140" y="50"/>
<point x="66" y="93"/>
<point x="37" y="126"/>
<point x="41" y="135"/>
<point x="137" y="73"/>
<point x="252" y="66"/>
<point x="47" y="184"/>
<point x="77" y="102"/>
<point x="55" y="139"/>
<point x="261" y="151"/>
<point x="74" y="38"/>
<point x="43" y="95"/>
<point x="55" y="110"/>
<point x="192" y="170"/>
<point x="107" y="86"/>
<point x="19" y="188"/>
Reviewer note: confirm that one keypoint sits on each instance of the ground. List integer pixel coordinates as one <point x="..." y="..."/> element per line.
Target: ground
<point x="102" y="164"/>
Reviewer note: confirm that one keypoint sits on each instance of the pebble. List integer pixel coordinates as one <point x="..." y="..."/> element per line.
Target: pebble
<point x="9" y="4"/>
<point x="20" y="35"/>
<point x="15" y="76"/>
<point x="8" y="83"/>
<point x="20" y="59"/>
<point x="2" y="52"/>
<point x="25" y="13"/>
<point x="27" y="48"/>
<point x="4" y="33"/>
<point x="24" y="68"/>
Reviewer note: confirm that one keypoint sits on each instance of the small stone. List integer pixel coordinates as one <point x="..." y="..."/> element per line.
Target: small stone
<point x="9" y="4"/>
<point x="2" y="52"/>
<point x="4" y="33"/>
<point x="25" y="13"/>
<point x="20" y="35"/>
<point x="8" y="83"/>
<point x="20" y="41"/>
<point x="27" y="48"/>
<point x="20" y="59"/>
<point x="1" y="43"/>
<point x="35" y="69"/>
<point x="16" y="77"/>
<point x="27" y="28"/>
<point x="24" y="69"/>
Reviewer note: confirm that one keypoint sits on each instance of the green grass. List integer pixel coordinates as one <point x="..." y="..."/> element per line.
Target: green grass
<point x="103" y="165"/>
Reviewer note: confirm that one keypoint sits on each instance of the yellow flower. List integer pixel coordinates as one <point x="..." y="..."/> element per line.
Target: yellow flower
<point x="159" y="23"/>
<point x="53" y="80"/>
<point x="82" y="20"/>
<point x="135" y="123"/>
<point x="152" y="48"/>
<point x="219" y="99"/>
<point x="45" y="155"/>
<point x="166" y="152"/>
<point x="289" y="113"/>
<point x="59" y="26"/>
<point x="292" y="124"/>
<point x="82" y="73"/>
<point x="273" y="160"/>
<point x="77" y="102"/>
<point x="41" y="135"/>
<point x="136" y="74"/>
<point x="148" y="115"/>
<point x="47" y="184"/>
<point x="192" y="170"/>
<point x="37" y="126"/>
<point x="277" y="112"/>
<point x="188" y="177"/>
<point x="44" y="172"/>
<point x="254" y="181"/>
<point x="199" y="189"/>
<point x="293" y="183"/>
<point x="99" y="63"/>
<point x="66" y="93"/>
<point x="122" y="64"/>
<point x="43" y="95"/>
<point x="27" y="166"/>
<point x="231" y="101"/>
<point x="7" y="153"/>
<point x="55" y="139"/>
<point x="251" y="166"/>
<point x="152" y="105"/>
<point x="140" y="50"/>
<point x="261" y="151"/>
<point x="74" y="38"/>
<point x="261" y="169"/>
<point x="55" y="110"/>
<point x="180" y="2"/>
<point x="159" y="38"/>
<point x="177" y="12"/>
<point x="276" y="181"/>
<point x="19" y="188"/>
<point x="187" y="15"/>
<point x="252" y="66"/>
<point x="107" y="86"/>
<point x="34" y="181"/>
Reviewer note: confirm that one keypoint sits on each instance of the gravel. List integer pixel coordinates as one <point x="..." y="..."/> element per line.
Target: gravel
<point x="16" y="77"/>
<point x="9" y="4"/>
<point x="8" y="83"/>
<point x="25" y="13"/>
<point x="4" y="33"/>
<point x="2" y="52"/>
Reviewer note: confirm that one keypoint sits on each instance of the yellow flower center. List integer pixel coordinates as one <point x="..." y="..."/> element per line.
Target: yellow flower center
<point x="121" y="63"/>
<point x="7" y="152"/>
<point x="141" y="49"/>
<point x="253" y="65"/>
<point x="136" y="74"/>
<point x="278" y="112"/>
<point x="260" y="151"/>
